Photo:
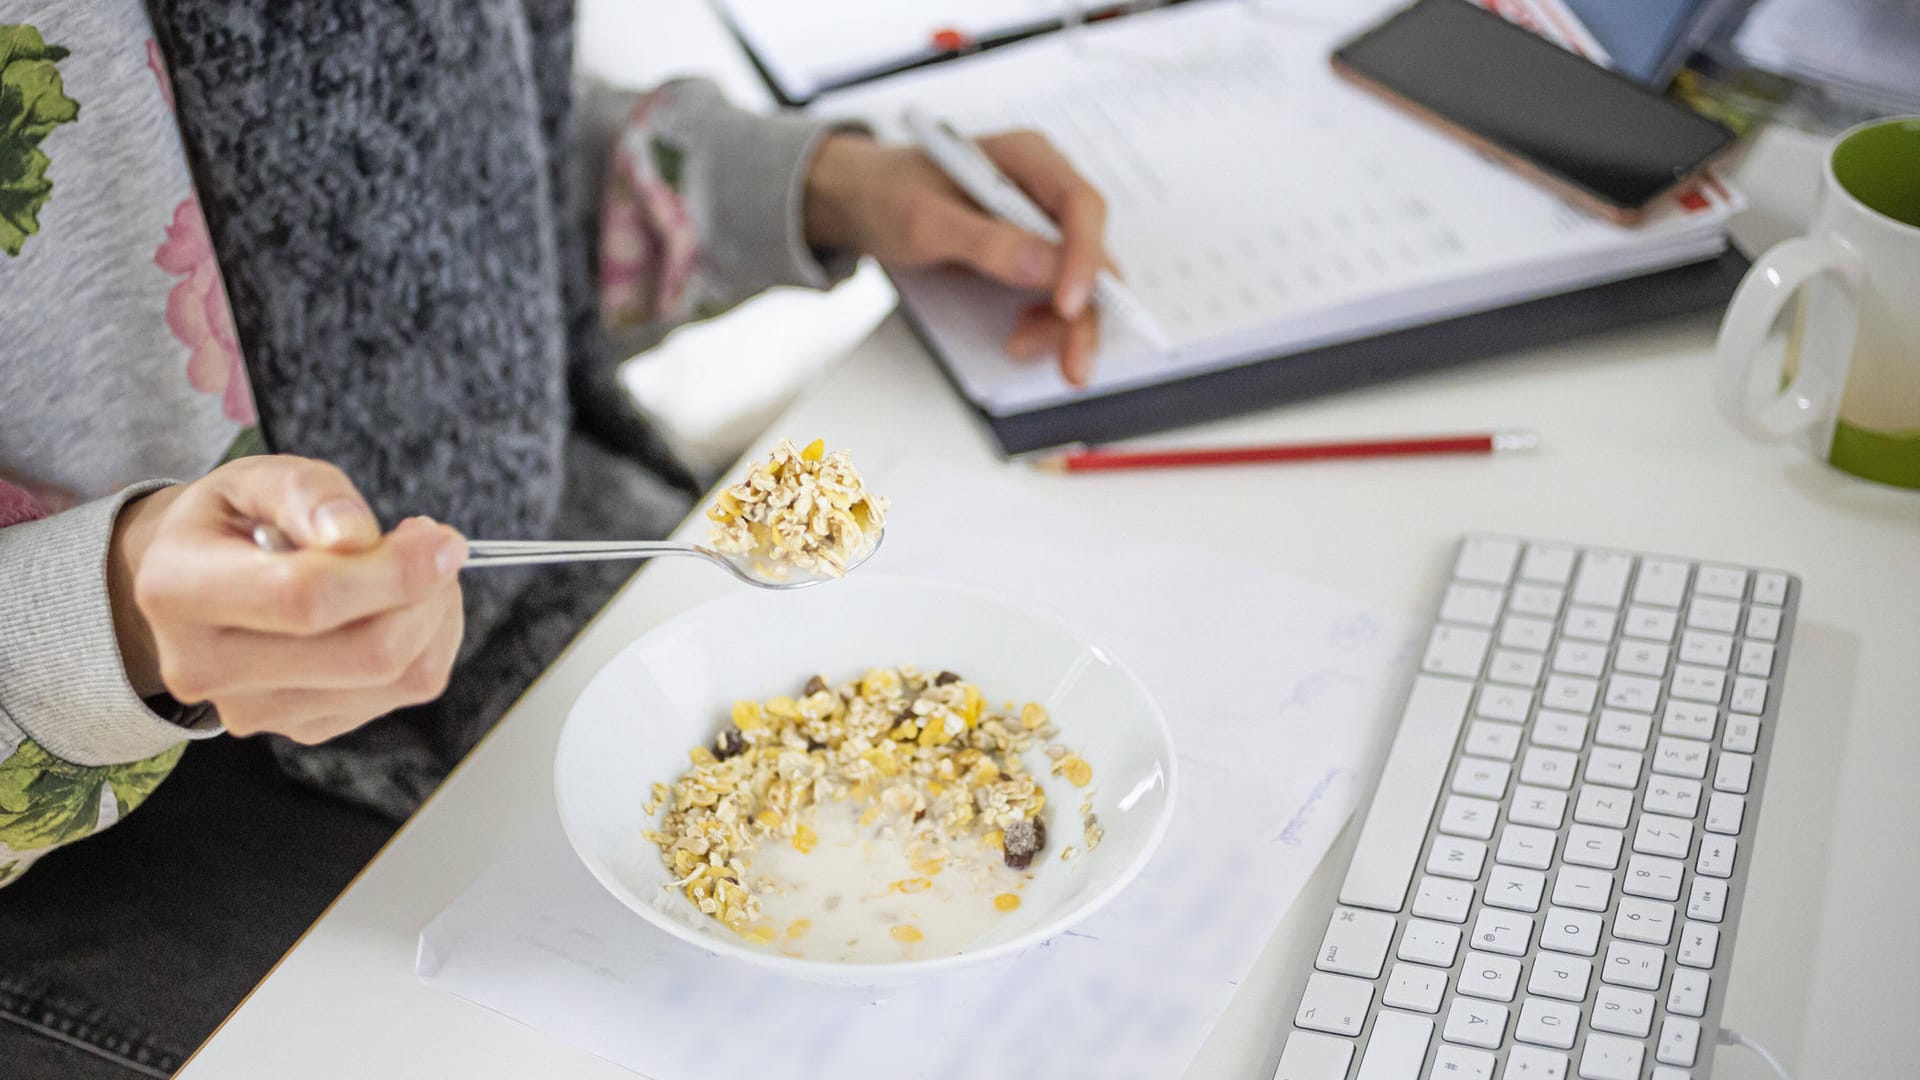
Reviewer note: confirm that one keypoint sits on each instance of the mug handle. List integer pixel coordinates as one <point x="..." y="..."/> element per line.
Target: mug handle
<point x="1752" y="398"/>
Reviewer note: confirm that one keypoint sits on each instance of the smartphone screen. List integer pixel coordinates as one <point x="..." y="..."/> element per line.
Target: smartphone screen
<point x="1577" y="122"/>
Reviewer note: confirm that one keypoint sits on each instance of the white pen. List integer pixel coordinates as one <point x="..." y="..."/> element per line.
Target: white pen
<point x="976" y="174"/>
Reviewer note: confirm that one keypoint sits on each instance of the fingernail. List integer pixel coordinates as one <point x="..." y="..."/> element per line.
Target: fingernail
<point x="1036" y="265"/>
<point x="451" y="556"/>
<point x="341" y="519"/>
<point x="1073" y="299"/>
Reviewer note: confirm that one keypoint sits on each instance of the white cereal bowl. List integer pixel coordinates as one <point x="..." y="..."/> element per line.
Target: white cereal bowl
<point x="673" y="689"/>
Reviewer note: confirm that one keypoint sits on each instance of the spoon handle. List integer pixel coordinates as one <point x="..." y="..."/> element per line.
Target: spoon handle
<point x="484" y="553"/>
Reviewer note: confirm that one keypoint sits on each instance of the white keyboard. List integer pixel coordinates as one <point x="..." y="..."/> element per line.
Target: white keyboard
<point x="1549" y="877"/>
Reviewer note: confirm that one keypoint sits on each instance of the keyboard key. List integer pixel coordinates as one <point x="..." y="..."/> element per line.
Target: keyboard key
<point x="1770" y="588"/>
<point x="1694" y="683"/>
<point x="1549" y="768"/>
<point x="1644" y="921"/>
<point x="1547" y="1023"/>
<point x="1471" y="605"/>
<point x="1716" y="856"/>
<point x="1466" y="816"/>
<point x="1522" y="632"/>
<point x="1688" y="994"/>
<point x="1722" y="581"/>
<point x="1396" y="1046"/>
<point x="1725" y="811"/>
<point x="1452" y="1062"/>
<point x="1742" y="734"/>
<point x="1533" y="1063"/>
<point x="1505" y="932"/>
<point x="1707" y="899"/>
<point x="1515" y="668"/>
<point x="1493" y="739"/>
<point x="1583" y="887"/>
<point x="1631" y="964"/>
<point x="1679" y="1041"/>
<point x="1580" y="658"/>
<point x="1334" y="1004"/>
<point x="1549" y="563"/>
<point x="1569" y="692"/>
<point x="1626" y="730"/>
<point x="1749" y="695"/>
<point x="1438" y="898"/>
<point x="1674" y="796"/>
<point x="1733" y="773"/>
<point x="1540" y="600"/>
<point x="1486" y="559"/>
<point x="1503" y="703"/>
<point x="1590" y="845"/>
<point x="1652" y="624"/>
<point x="1484" y="975"/>
<point x="1355" y="943"/>
<point x="1314" y="1057"/>
<point x="1699" y="944"/>
<point x="1411" y="986"/>
<point x="1562" y="730"/>
<point x="1680" y="757"/>
<point x="1597" y="805"/>
<point x="1613" y="767"/>
<point x="1480" y="777"/>
<point x="1526" y="846"/>
<point x="1428" y="942"/>
<point x="1557" y="975"/>
<point x="1588" y="624"/>
<point x="1476" y="1023"/>
<point x="1569" y="931"/>
<point x="1539" y="806"/>
<point x="1635" y="692"/>
<point x="1707" y="613"/>
<point x="1455" y="650"/>
<point x="1763" y="623"/>
<point x="1456" y="858"/>
<point x="1756" y="659"/>
<point x="1623" y="1012"/>
<point x="1706" y="648"/>
<point x="1515" y="889"/>
<point x="1658" y="834"/>
<point x="1661" y="581"/>
<point x="1653" y="877"/>
<point x="1641" y="658"/>
<point x="1689" y="720"/>
<point x="1602" y="578"/>
<point x="1608" y="1058"/>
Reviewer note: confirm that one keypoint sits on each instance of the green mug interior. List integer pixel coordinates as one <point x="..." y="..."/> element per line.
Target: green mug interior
<point x="1880" y="166"/>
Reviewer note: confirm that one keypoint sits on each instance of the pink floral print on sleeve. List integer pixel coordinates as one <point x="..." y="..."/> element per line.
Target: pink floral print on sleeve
<point x="649" y="246"/>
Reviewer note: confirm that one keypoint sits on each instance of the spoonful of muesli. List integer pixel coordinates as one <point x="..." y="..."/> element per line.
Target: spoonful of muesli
<point x="799" y="518"/>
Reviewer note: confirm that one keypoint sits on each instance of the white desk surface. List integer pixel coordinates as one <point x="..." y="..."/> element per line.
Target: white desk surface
<point x="1633" y="456"/>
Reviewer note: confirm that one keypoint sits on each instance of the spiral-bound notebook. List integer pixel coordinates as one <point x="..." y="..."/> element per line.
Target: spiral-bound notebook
<point x="1292" y="234"/>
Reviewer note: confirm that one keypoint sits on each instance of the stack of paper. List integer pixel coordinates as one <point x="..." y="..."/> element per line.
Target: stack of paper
<point x="1867" y="50"/>
<point x="1278" y="705"/>
<point x="1259" y="206"/>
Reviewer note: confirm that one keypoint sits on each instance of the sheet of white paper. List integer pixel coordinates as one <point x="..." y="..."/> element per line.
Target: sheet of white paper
<point x="1258" y="204"/>
<point x="1279" y="693"/>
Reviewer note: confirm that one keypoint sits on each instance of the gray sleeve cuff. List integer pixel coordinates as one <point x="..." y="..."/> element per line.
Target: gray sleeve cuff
<point x="62" y="681"/>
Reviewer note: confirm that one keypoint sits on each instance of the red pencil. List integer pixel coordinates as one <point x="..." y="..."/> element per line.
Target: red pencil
<point x="1089" y="460"/>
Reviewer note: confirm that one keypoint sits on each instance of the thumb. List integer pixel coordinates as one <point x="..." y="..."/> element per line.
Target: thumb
<point x="312" y="502"/>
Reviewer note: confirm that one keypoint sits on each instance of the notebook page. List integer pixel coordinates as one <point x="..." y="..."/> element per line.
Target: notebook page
<point x="1258" y="204"/>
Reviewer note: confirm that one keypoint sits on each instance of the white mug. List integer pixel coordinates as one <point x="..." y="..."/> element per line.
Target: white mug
<point x="1849" y="388"/>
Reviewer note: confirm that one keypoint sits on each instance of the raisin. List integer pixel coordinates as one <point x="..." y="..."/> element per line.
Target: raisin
<point x="729" y="743"/>
<point x="919" y="814"/>
<point x="945" y="678"/>
<point x="905" y="714"/>
<point x="1021" y="841"/>
<point x="815" y="685"/>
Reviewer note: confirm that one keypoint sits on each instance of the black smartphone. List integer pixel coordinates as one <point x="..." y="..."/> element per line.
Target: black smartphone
<point x="1591" y="134"/>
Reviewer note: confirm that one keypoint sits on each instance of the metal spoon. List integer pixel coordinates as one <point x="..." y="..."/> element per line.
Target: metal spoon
<point x="485" y="553"/>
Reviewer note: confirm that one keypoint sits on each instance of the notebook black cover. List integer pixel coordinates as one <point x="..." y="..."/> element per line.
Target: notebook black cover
<point x="1213" y="395"/>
